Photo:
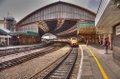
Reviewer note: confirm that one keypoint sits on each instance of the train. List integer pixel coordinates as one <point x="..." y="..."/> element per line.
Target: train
<point x="73" y="41"/>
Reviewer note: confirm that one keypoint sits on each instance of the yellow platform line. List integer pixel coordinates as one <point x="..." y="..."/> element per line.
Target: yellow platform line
<point x="99" y="65"/>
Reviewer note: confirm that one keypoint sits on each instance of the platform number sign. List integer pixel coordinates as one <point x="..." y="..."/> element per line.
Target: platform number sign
<point x="117" y="30"/>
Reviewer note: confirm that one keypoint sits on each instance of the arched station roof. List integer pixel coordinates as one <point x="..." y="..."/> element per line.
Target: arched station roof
<point x="56" y="18"/>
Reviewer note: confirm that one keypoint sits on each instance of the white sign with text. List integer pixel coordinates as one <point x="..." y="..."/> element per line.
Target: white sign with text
<point x="118" y="30"/>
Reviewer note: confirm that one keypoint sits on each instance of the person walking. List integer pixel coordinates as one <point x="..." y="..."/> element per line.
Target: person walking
<point x="107" y="44"/>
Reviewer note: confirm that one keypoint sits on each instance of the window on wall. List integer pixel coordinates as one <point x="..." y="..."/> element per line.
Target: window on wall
<point x="57" y="8"/>
<point x="23" y="29"/>
<point x="60" y="10"/>
<point x="36" y="19"/>
<point x="55" y="13"/>
<point x="54" y="9"/>
<point x="20" y="29"/>
<point x="49" y="10"/>
<point x="30" y="28"/>
<point x="42" y="13"/>
<point x="45" y="13"/>
<point x="93" y="18"/>
<point x="72" y="12"/>
<point x="39" y="18"/>
<point x="39" y="14"/>
<point x="26" y="21"/>
<point x="35" y="15"/>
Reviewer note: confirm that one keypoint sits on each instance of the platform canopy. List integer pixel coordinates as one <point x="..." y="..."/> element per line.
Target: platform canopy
<point x="29" y="33"/>
<point x="5" y="36"/>
<point x="87" y="28"/>
<point x="4" y="31"/>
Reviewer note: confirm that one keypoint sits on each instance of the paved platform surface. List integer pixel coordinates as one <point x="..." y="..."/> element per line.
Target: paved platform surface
<point x="90" y="69"/>
<point x="107" y="61"/>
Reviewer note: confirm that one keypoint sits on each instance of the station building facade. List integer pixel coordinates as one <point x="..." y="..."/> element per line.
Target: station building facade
<point x="7" y="25"/>
<point x="59" y="18"/>
<point x="108" y="23"/>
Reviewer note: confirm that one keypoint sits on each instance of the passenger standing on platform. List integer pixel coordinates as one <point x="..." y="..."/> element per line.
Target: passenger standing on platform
<point x="87" y="42"/>
<point x="107" y="44"/>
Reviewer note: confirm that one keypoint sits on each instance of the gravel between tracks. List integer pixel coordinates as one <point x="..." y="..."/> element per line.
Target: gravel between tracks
<point x="31" y="67"/>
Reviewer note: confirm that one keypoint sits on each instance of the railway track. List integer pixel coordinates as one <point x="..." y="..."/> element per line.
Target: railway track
<point x="60" y="69"/>
<point x="6" y="52"/>
<point x="25" y="58"/>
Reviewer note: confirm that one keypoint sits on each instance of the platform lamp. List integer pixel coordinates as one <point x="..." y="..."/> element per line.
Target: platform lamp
<point x="117" y="3"/>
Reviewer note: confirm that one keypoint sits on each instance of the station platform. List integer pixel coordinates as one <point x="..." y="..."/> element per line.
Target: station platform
<point x="17" y="46"/>
<point x="97" y="64"/>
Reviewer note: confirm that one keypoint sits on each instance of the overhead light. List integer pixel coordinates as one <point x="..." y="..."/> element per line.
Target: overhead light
<point x="82" y="20"/>
<point x="117" y="3"/>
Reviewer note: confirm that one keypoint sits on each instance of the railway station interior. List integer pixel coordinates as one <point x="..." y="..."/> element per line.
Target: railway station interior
<point x="60" y="39"/>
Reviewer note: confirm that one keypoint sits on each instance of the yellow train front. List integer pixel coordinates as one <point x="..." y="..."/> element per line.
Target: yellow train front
<point x="73" y="41"/>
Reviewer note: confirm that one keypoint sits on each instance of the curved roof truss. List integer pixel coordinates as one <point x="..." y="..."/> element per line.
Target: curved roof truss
<point x="59" y="11"/>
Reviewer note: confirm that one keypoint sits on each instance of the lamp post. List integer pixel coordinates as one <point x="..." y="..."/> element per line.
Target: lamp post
<point x="8" y="40"/>
<point x="18" y="40"/>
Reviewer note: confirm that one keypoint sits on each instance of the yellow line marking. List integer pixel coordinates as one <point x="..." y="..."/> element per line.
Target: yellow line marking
<point x="99" y="65"/>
